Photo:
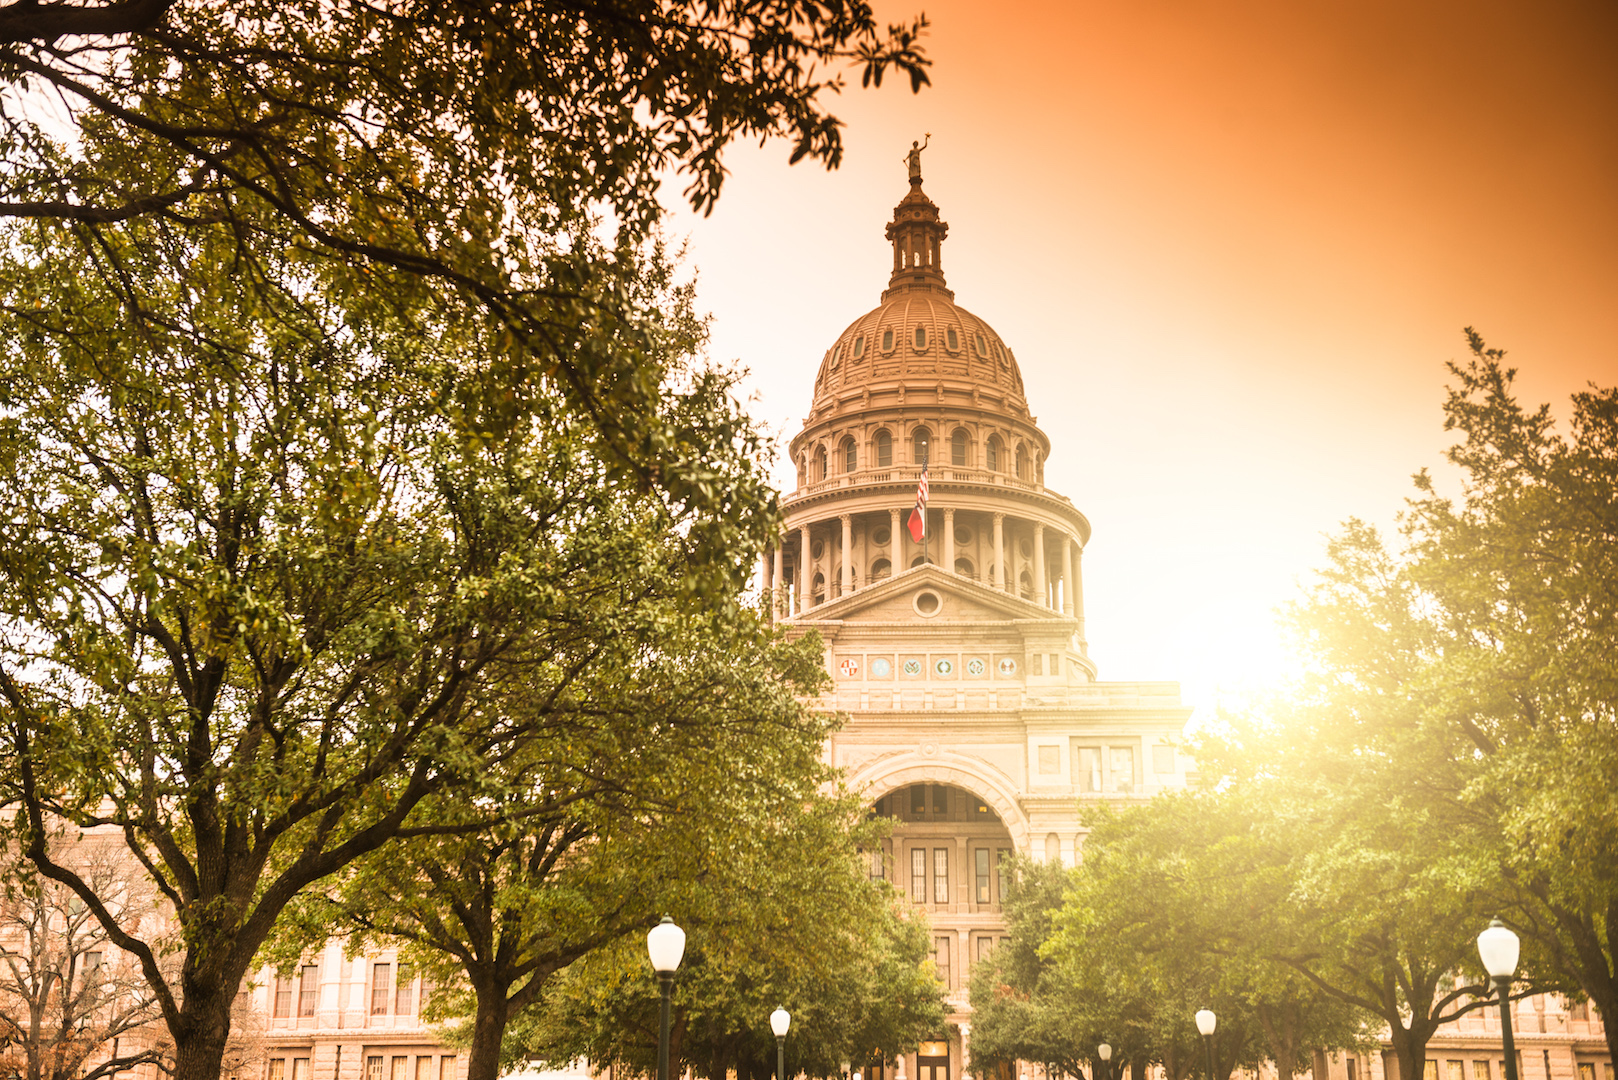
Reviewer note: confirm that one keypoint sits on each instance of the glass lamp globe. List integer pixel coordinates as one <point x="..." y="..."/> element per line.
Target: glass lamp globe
<point x="780" y="1020"/>
<point x="1498" y="947"/>
<point x="665" y="943"/>
<point x="1104" y="1051"/>
<point x="1206" y="1021"/>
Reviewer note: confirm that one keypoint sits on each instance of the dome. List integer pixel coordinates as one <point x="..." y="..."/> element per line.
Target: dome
<point x="918" y="337"/>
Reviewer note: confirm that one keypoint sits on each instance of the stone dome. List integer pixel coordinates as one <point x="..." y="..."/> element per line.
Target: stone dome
<point x="920" y="337"/>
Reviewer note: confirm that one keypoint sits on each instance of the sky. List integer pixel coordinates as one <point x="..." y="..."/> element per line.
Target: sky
<point x="1233" y="244"/>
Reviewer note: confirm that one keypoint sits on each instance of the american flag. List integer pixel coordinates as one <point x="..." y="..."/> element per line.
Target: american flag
<point x="918" y="516"/>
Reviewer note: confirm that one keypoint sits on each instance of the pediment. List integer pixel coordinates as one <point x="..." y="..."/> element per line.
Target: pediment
<point x="895" y="600"/>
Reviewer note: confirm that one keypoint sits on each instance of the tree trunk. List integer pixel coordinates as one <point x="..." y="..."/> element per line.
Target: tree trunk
<point x="205" y="1016"/>
<point x="488" y="1032"/>
<point x="1410" y="1049"/>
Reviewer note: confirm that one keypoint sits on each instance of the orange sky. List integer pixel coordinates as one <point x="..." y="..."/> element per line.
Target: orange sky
<point x="1233" y="244"/>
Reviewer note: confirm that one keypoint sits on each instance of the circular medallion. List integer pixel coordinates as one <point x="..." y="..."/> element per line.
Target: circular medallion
<point x="850" y="667"/>
<point x="912" y="667"/>
<point x="944" y="667"/>
<point x="1008" y="667"/>
<point x="881" y="667"/>
<point x="975" y="666"/>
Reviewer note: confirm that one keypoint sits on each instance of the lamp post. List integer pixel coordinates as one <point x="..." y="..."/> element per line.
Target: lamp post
<point x="780" y="1020"/>
<point x="1104" y="1052"/>
<point x="665" y="944"/>
<point x="1498" y="948"/>
<point x="1206" y="1022"/>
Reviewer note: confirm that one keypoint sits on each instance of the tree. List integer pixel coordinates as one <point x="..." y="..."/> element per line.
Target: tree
<point x="71" y="1008"/>
<point x="279" y="562"/>
<point x="429" y="154"/>
<point x="786" y="915"/>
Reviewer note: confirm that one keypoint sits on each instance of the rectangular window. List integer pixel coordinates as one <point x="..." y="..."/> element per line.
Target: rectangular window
<point x="446" y="1067"/>
<point x="985" y="948"/>
<point x="1002" y="857"/>
<point x="1587" y="1070"/>
<point x="424" y="1068"/>
<point x="283" y="997"/>
<point x="1353" y="1068"/>
<point x="1163" y="759"/>
<point x="940" y="875"/>
<point x="1039" y="665"/>
<point x="1455" y="1070"/>
<point x="92" y="964"/>
<point x="308" y="989"/>
<point x="941" y="958"/>
<point x="380" y="987"/>
<point x="1430" y="1069"/>
<point x="300" y="1069"/>
<point x="1480" y="1070"/>
<point x="918" y="875"/>
<point x="1050" y="759"/>
<point x="980" y="860"/>
<point x="1578" y="1010"/>
<point x="398" y="1072"/>
<point x="404" y="1001"/>
<point x="278" y="1069"/>
<point x="879" y="865"/>
<point x="1123" y="769"/>
<point x="918" y="800"/>
<point x="373" y="1068"/>
<point x="1087" y="768"/>
<point x="940" y="801"/>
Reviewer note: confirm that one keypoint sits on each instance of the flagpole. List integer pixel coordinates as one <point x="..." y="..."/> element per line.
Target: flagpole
<point x="926" y="533"/>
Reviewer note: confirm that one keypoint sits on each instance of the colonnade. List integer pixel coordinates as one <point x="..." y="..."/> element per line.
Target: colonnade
<point x="1059" y="588"/>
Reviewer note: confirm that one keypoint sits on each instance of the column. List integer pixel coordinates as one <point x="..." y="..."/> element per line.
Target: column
<point x="777" y="589"/>
<point x="764" y="582"/>
<point x="848" y="553"/>
<point x="1078" y="590"/>
<point x="1067" y="575"/>
<point x="893" y="539"/>
<point x="1039" y="565"/>
<point x="803" y="568"/>
<point x="1000" y="552"/>
<point x="949" y="540"/>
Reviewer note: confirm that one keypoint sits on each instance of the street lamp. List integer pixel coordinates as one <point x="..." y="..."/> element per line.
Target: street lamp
<point x="1498" y="947"/>
<point x="665" y="944"/>
<point x="780" y="1020"/>
<point x="1206" y="1022"/>
<point x="1104" y="1052"/>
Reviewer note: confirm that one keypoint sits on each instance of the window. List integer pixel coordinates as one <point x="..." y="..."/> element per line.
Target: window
<point x="1587" y="1070"/>
<point x="859" y="346"/>
<point x="980" y="864"/>
<point x="1353" y="1068"/>
<point x="1002" y="857"/>
<point x="921" y="337"/>
<point x="818" y="589"/>
<point x="918" y="800"/>
<point x="1162" y="759"/>
<point x="920" y="439"/>
<point x="983" y="349"/>
<point x="941" y="958"/>
<point x="1050" y="757"/>
<point x="880" y="569"/>
<point x="1123" y="772"/>
<point x="1087" y="768"/>
<point x="278" y="1069"/>
<point x="850" y="456"/>
<point x="1022" y="462"/>
<point x="954" y="342"/>
<point x="400" y="1065"/>
<point x="373" y="1068"/>
<point x="957" y="447"/>
<point x="940" y="801"/>
<point x="918" y="875"/>
<point x="820" y="465"/>
<point x="404" y="1000"/>
<point x="884" y="449"/>
<point x="446" y="1067"/>
<point x="308" y="989"/>
<point x="1454" y="1071"/>
<point x="985" y="948"/>
<point x="964" y="567"/>
<point x="1480" y="1070"/>
<point x="379" y="989"/>
<point x="879" y="865"/>
<point x="92" y="965"/>
<point x="300" y="1069"/>
<point x="1430" y="1070"/>
<point x="940" y="875"/>
<point x="1578" y="1010"/>
<point x="424" y="1068"/>
<point x="887" y="341"/>
<point x="283" y="998"/>
<point x="991" y="458"/>
<point x="1025" y="587"/>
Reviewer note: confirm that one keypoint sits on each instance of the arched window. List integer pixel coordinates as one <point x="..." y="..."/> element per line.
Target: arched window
<point x="880" y="569"/>
<point x="803" y="471"/>
<point x="887" y="341"/>
<point x="859" y="346"/>
<point x="884" y="449"/>
<point x="964" y="568"/>
<point x="921" y="337"/>
<point x="820" y="464"/>
<point x="920" y="441"/>
<point x="957" y="447"/>
<point x="850" y="457"/>
<point x="995" y="452"/>
<point x="954" y="340"/>
<point x="818" y="589"/>
<point x="1022" y="462"/>
<point x="1025" y="585"/>
<point x="919" y="560"/>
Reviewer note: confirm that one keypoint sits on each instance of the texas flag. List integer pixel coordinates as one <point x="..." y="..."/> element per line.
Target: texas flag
<point x="918" y="516"/>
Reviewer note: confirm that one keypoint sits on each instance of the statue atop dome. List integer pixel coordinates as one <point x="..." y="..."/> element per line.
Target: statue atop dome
<point x="913" y="158"/>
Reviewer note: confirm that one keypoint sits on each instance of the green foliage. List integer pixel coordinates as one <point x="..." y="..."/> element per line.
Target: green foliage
<point x="786" y="916"/>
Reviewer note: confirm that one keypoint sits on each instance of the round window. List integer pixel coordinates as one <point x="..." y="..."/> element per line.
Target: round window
<point x="1026" y="546"/>
<point x="817" y="549"/>
<point x="928" y="603"/>
<point x="881" y="535"/>
<point x="963" y="534"/>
